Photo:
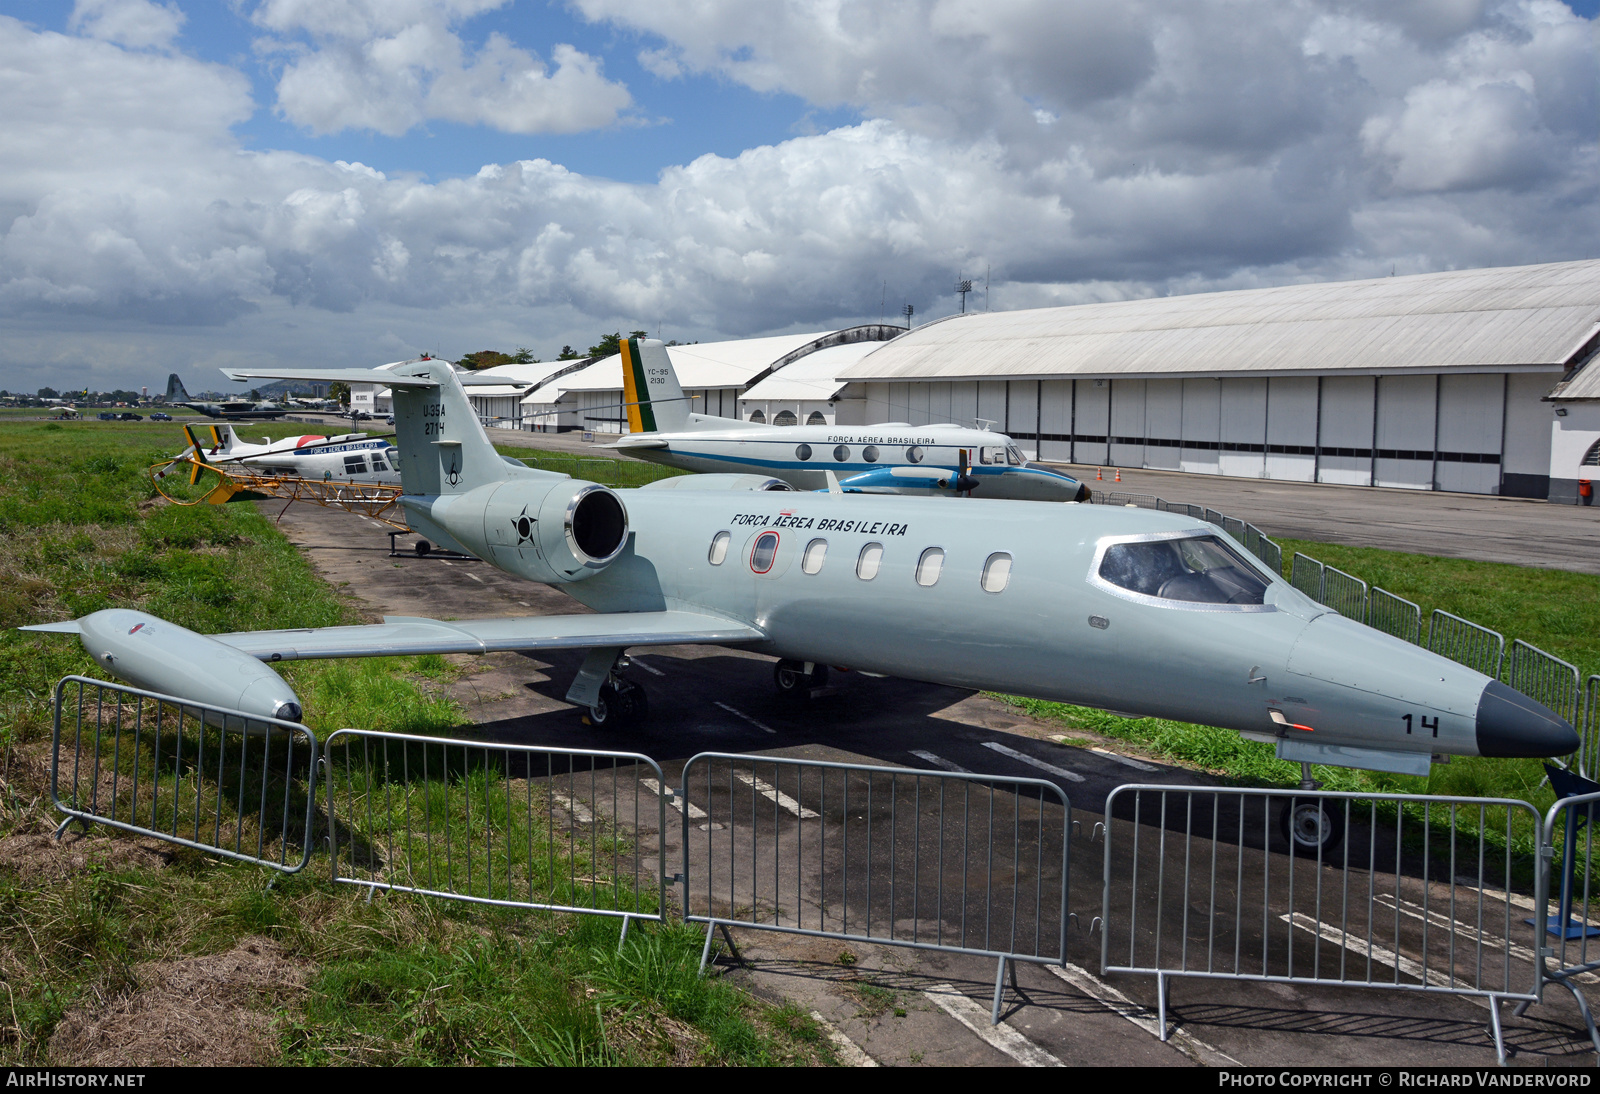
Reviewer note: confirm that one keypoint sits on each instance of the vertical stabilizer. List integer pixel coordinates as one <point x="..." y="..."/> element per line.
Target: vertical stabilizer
<point x="175" y="392"/>
<point x="655" y="401"/>
<point x="443" y="448"/>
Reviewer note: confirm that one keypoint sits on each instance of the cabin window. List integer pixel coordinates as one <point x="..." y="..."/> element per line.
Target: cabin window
<point x="377" y="462"/>
<point x="802" y="451"/>
<point x="765" y="550"/>
<point x="996" y="572"/>
<point x="992" y="454"/>
<point x="816" y="552"/>
<point x="841" y="452"/>
<point x="914" y="454"/>
<point x="785" y="417"/>
<point x="719" y="548"/>
<point x="870" y="453"/>
<point x="929" y="565"/>
<point x="817" y="418"/>
<point x="355" y="465"/>
<point x="871" y="559"/>
<point x="758" y="417"/>
<point x="1195" y="569"/>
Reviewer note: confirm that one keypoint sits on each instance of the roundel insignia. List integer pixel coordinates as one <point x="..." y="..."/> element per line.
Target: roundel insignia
<point x="523" y="525"/>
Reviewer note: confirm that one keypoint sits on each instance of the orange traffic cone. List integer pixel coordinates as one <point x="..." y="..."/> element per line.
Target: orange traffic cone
<point x="1119" y="474"/>
<point x="1099" y="474"/>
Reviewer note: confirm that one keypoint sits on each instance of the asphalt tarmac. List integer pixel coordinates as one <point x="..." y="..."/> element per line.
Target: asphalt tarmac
<point x="910" y="1006"/>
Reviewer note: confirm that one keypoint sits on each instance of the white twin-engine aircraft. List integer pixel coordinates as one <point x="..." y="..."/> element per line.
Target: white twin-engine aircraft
<point x="1110" y="607"/>
<point x="893" y="458"/>
<point x="350" y="457"/>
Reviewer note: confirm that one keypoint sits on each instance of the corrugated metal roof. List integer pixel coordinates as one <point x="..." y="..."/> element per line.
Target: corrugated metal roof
<point x="812" y="377"/>
<point x="703" y="365"/>
<point x="1515" y="317"/>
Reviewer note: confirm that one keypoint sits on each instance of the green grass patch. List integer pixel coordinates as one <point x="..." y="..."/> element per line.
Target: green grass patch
<point x="604" y="470"/>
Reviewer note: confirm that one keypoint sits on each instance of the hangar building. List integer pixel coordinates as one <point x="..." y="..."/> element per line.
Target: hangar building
<point x="1433" y="381"/>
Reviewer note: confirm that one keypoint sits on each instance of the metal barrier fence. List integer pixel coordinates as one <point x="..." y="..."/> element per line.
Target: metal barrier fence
<point x="1589" y="751"/>
<point x="1547" y="678"/>
<point x="927" y="859"/>
<point x="1567" y="957"/>
<point x="1466" y="643"/>
<point x="1414" y="897"/>
<point x="1394" y="615"/>
<point x="518" y="825"/>
<point x="1117" y="497"/>
<point x="1305" y="574"/>
<point x="1344" y="593"/>
<point x="209" y="778"/>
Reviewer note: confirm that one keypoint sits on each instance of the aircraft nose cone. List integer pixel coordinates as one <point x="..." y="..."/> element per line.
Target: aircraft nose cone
<point x="1511" y="724"/>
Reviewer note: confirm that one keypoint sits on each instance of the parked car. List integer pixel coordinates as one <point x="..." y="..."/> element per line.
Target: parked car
<point x="106" y="416"/>
<point x="390" y="419"/>
<point x="159" y="416"/>
<point x="130" y="416"/>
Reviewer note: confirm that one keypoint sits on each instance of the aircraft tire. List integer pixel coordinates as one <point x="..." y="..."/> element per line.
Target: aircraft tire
<point x="790" y="677"/>
<point x="619" y="707"/>
<point x="423" y="547"/>
<point x="1311" y="826"/>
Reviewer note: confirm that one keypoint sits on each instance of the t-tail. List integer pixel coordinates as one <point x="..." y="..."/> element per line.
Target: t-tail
<point x="650" y="390"/>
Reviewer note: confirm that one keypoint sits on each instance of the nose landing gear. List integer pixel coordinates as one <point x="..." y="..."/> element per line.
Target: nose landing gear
<point x="1311" y="826"/>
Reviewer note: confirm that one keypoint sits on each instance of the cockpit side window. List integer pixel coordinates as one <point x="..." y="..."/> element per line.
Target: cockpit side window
<point x="1195" y="569"/>
<point x="1014" y="456"/>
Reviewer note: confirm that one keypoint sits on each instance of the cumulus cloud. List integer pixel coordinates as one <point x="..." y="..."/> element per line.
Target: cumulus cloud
<point x="390" y="66"/>
<point x="1115" y="150"/>
<point x="139" y="24"/>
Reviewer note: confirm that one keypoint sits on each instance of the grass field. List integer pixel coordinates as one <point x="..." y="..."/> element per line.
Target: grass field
<point x="111" y="941"/>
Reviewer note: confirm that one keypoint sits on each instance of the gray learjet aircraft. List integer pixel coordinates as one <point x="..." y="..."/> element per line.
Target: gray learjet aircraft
<point x="1119" y="608"/>
<point x="893" y="458"/>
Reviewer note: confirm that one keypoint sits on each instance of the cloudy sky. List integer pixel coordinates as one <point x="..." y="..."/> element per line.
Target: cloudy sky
<point x="345" y="182"/>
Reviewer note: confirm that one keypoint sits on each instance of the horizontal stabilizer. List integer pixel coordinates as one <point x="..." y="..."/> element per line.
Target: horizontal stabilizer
<point x="399" y="634"/>
<point x="68" y="627"/>
<point x="379" y="376"/>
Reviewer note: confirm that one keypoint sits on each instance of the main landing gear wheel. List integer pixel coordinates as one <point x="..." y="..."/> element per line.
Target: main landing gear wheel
<point x="791" y="677"/>
<point x="1311" y="826"/>
<point x="620" y="705"/>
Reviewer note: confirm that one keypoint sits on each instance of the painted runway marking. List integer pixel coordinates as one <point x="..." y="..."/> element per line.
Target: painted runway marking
<point x="651" y="669"/>
<point x="772" y="793"/>
<point x="1140" y="1015"/>
<point x="939" y="761"/>
<point x="677" y="801"/>
<point x="579" y="811"/>
<point x="1002" y="1037"/>
<point x="1070" y="776"/>
<point x="741" y="714"/>
<point x="1138" y="765"/>
<point x="850" y="1053"/>
<point x="1380" y="954"/>
<point x="476" y="578"/>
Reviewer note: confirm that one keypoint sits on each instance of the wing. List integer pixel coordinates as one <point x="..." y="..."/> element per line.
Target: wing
<point x="399" y="634"/>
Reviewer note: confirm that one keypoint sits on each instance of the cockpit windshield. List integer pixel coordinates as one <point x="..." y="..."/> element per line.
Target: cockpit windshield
<point x="1196" y="569"/>
<point x="1014" y="456"/>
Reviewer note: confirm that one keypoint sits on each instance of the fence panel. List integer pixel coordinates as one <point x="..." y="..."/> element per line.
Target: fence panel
<point x="1547" y="678"/>
<point x="220" y="781"/>
<point x="1466" y="643"/>
<point x="1234" y="527"/>
<point x="519" y="825"/>
<point x="1589" y="753"/>
<point x="1141" y="501"/>
<point x="1394" y="615"/>
<point x="1305" y="574"/>
<point x="1573" y="887"/>
<point x="1272" y="555"/>
<point x="927" y="859"/>
<point x="1214" y="517"/>
<point x="1344" y="593"/>
<point x="1201" y="882"/>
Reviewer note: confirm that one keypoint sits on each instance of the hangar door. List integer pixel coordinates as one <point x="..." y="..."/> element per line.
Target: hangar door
<point x="1243" y="444"/>
<point x="1292" y="428"/>
<point x="1471" y="420"/>
<point x="1406" y="431"/>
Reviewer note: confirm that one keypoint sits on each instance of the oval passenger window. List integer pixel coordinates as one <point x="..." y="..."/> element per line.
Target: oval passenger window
<point x="802" y="451"/>
<point x="997" y="572"/>
<point x="841" y="452"/>
<point x="914" y="453"/>
<point x="929" y="565"/>
<point x="867" y="565"/>
<point x="816" y="551"/>
<point x="764" y="551"/>
<point x="870" y="453"/>
<point x="719" y="549"/>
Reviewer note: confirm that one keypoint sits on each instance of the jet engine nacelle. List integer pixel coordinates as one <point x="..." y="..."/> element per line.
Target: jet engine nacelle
<point x="555" y="531"/>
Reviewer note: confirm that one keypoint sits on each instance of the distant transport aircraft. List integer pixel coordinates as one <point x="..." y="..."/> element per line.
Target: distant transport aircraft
<point x="243" y="410"/>
<point x="1118" y="608"/>
<point x="893" y="458"/>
